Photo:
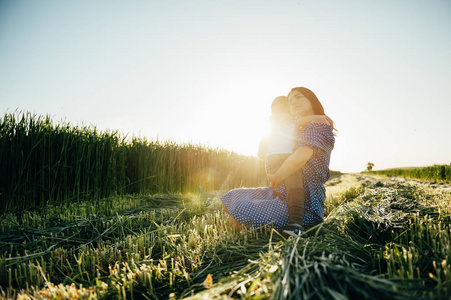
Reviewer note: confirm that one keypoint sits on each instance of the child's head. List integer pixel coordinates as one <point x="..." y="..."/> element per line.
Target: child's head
<point x="280" y="110"/>
<point x="280" y="106"/>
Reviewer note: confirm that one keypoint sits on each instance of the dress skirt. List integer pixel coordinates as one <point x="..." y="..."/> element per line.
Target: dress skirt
<point x="256" y="207"/>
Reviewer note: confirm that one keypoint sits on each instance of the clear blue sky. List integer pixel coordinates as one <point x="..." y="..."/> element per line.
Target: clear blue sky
<point x="207" y="71"/>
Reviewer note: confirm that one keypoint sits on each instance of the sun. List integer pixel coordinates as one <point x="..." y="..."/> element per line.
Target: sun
<point x="236" y="130"/>
<point x="231" y="115"/>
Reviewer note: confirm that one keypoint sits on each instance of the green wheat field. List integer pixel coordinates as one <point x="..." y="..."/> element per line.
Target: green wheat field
<point x="96" y="215"/>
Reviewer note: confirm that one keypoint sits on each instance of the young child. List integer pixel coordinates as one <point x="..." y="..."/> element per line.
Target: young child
<point x="275" y="148"/>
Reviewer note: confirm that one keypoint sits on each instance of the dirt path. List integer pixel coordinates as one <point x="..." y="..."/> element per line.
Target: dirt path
<point x="341" y="183"/>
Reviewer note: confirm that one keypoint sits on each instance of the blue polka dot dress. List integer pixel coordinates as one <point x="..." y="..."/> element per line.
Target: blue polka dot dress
<point x="256" y="207"/>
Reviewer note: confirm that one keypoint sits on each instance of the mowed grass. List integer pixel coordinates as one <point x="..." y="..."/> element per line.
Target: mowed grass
<point x="132" y="245"/>
<point x="380" y="239"/>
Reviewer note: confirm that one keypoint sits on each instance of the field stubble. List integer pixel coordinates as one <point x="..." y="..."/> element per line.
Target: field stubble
<point x="381" y="238"/>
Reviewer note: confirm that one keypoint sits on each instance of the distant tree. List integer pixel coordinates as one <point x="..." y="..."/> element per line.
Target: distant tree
<point x="369" y="166"/>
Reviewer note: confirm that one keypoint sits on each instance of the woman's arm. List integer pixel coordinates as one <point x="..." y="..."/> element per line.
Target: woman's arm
<point x="296" y="161"/>
<point x="291" y="165"/>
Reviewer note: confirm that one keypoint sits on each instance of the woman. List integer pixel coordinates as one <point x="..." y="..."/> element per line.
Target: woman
<point x="259" y="206"/>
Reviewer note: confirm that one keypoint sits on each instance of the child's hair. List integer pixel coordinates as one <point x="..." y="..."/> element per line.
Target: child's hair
<point x="280" y="105"/>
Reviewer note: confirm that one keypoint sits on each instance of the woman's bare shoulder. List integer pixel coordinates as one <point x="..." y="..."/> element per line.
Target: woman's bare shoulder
<point x="319" y="119"/>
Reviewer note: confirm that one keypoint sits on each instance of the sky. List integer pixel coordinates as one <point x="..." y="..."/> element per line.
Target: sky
<point x="206" y="72"/>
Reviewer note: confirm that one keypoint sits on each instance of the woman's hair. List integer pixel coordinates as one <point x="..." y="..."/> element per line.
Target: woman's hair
<point x="316" y="105"/>
<point x="280" y="105"/>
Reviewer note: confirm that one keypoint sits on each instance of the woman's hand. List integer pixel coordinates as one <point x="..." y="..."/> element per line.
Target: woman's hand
<point x="274" y="180"/>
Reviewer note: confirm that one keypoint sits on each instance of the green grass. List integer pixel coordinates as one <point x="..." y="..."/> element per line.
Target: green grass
<point x="379" y="240"/>
<point x="45" y="162"/>
<point x="432" y="173"/>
